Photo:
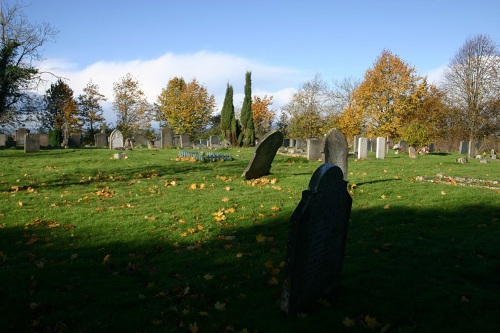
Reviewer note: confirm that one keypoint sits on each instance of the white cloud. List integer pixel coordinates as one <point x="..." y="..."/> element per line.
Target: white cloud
<point x="435" y="76"/>
<point x="214" y="70"/>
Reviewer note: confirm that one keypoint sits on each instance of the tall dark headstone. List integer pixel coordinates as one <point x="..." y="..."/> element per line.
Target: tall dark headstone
<point x="316" y="240"/>
<point x="335" y="150"/>
<point x="167" y="138"/>
<point x="260" y="164"/>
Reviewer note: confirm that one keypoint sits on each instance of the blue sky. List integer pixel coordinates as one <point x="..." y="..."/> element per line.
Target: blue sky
<point x="283" y="43"/>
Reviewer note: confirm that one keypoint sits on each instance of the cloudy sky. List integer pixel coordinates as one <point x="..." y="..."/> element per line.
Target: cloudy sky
<point x="283" y="43"/>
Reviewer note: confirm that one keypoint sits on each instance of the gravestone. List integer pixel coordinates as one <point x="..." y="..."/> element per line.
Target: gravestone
<point x="334" y="150"/>
<point x="260" y="164"/>
<point x="362" y="147"/>
<point x="140" y="140"/>
<point x="372" y="144"/>
<point x="116" y="140"/>
<point x="100" y="140"/>
<point x="463" y="147"/>
<point x="316" y="240"/>
<point x="313" y="149"/>
<point x="432" y="148"/>
<point x="214" y="140"/>
<point x="291" y="143"/>
<point x="31" y="142"/>
<point x="166" y="138"/>
<point x="20" y="136"/>
<point x="3" y="140"/>
<point x="355" y="145"/>
<point x="44" y="140"/>
<point x="204" y="142"/>
<point x="185" y="142"/>
<point x="300" y="144"/>
<point x="412" y="152"/>
<point x="403" y="146"/>
<point x="380" y="153"/>
<point x="75" y="140"/>
<point x="286" y="142"/>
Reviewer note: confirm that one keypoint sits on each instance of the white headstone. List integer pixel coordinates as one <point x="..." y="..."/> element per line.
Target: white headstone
<point x="116" y="139"/>
<point x="380" y="153"/>
<point x="362" y="148"/>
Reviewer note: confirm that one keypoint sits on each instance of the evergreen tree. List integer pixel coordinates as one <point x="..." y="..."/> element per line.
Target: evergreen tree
<point x="246" y="113"/>
<point x="61" y="108"/>
<point x="91" y="112"/>
<point x="228" y="121"/>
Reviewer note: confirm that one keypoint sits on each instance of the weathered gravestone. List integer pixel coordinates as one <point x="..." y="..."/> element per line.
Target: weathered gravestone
<point x="313" y="149"/>
<point x="300" y="143"/>
<point x="355" y="145"/>
<point x="260" y="164"/>
<point x="463" y="147"/>
<point x="20" y="136"/>
<point x="214" y="140"/>
<point x="100" y="140"/>
<point x="166" y="138"/>
<point x="3" y="140"/>
<point x="316" y="240"/>
<point x="116" y="140"/>
<point x="31" y="143"/>
<point x="75" y="140"/>
<point x="335" y="150"/>
<point x="140" y="140"/>
<point x="184" y="141"/>
<point x="380" y="153"/>
<point x="44" y="140"/>
<point x="412" y="152"/>
<point x="362" y="147"/>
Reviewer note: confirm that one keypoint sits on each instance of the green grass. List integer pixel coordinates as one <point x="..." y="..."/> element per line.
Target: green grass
<point x="93" y="244"/>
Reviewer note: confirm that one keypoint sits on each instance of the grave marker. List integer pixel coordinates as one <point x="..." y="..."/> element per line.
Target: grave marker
<point x="184" y="141"/>
<point x="362" y="148"/>
<point x="44" y="140"/>
<point x="3" y="140"/>
<point x="260" y="164"/>
<point x="463" y="147"/>
<point x="31" y="142"/>
<point x="100" y="140"/>
<point x="20" y="136"/>
<point x="116" y="140"/>
<point x="380" y="153"/>
<point x="335" y="150"/>
<point x="313" y="149"/>
<point x="316" y="240"/>
<point x="412" y="152"/>
<point x="166" y="138"/>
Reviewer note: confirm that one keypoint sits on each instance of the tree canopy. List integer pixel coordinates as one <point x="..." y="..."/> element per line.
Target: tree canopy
<point x="90" y="109"/>
<point x="246" y="113"/>
<point x="263" y="116"/>
<point x="60" y="107"/>
<point x="186" y="108"/>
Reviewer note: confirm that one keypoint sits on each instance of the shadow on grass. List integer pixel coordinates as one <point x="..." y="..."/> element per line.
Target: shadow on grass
<point x="415" y="269"/>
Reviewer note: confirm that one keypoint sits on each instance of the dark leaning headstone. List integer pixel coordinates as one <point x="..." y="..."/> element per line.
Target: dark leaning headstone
<point x="316" y="240"/>
<point x="260" y="164"/>
<point x="335" y="150"/>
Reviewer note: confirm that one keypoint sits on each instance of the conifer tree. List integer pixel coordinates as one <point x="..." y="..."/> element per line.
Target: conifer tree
<point x="246" y="113"/>
<point x="227" y="121"/>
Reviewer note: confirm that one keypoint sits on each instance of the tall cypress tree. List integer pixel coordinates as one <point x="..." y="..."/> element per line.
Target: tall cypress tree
<point x="246" y="113"/>
<point x="227" y="114"/>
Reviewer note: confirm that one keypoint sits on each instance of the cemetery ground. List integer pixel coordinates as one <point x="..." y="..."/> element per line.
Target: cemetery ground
<point x="89" y="243"/>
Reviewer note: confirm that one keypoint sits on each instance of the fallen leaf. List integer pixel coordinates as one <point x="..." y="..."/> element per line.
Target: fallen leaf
<point x="208" y="276"/>
<point x="220" y="306"/>
<point x="348" y="322"/>
<point x="193" y="328"/>
<point x="106" y="259"/>
<point x="226" y="199"/>
<point x="443" y="193"/>
<point x="260" y="238"/>
<point x="19" y="203"/>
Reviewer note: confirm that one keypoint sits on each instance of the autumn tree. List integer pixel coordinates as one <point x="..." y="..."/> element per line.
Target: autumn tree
<point x="228" y="121"/>
<point x="90" y="109"/>
<point x="308" y="109"/>
<point x="263" y="116"/>
<point x="60" y="107"/>
<point x="133" y="111"/>
<point x="186" y="108"/>
<point x="246" y="117"/>
<point x="21" y="43"/>
<point x="472" y="85"/>
<point x="391" y="101"/>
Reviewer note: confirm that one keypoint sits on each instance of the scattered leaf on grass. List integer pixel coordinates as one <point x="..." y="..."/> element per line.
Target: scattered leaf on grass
<point x="220" y="306"/>
<point x="193" y="328"/>
<point x="208" y="276"/>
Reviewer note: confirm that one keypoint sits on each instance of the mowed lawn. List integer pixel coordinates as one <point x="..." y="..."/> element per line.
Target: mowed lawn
<point x="149" y="243"/>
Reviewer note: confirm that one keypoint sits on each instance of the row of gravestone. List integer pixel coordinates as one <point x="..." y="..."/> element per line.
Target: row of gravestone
<point x="24" y="137"/>
<point x="318" y="226"/>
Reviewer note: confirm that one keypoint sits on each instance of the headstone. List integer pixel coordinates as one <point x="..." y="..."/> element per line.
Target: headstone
<point x="316" y="240"/>
<point x="335" y="150"/>
<point x="185" y="142"/>
<point x="403" y="146"/>
<point x="260" y="164"/>
<point x="463" y="148"/>
<point x="432" y="148"/>
<point x="44" y="140"/>
<point x="166" y="138"/>
<point x="412" y="152"/>
<point x="313" y="149"/>
<point x="75" y="140"/>
<point x="286" y="142"/>
<point x="116" y="140"/>
<point x="225" y="144"/>
<point x="380" y="153"/>
<point x="20" y="136"/>
<point x="101" y="140"/>
<point x="31" y="142"/>
<point x="300" y="144"/>
<point x="214" y="140"/>
<point x="362" y="147"/>
<point x="291" y="143"/>
<point x="373" y="145"/>
<point x="204" y="142"/>
<point x="140" y="140"/>
<point x="356" y="141"/>
<point x="3" y="140"/>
